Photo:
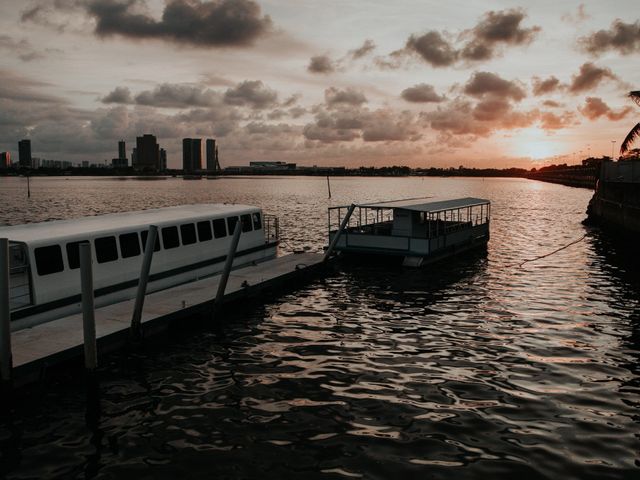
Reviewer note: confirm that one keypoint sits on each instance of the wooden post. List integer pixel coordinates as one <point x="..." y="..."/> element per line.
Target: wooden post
<point x="88" y="310"/>
<point x="222" y="286"/>
<point x="329" y="186"/>
<point x="344" y="223"/>
<point x="6" y="360"/>
<point x="136" y="318"/>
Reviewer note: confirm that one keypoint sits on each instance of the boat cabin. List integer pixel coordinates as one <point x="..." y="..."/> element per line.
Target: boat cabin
<point x="417" y="229"/>
<point x="193" y="241"/>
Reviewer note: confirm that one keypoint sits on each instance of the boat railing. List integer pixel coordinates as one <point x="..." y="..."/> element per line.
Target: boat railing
<point x="271" y="228"/>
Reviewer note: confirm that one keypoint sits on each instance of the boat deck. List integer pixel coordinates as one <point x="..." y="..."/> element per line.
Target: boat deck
<point x="39" y="347"/>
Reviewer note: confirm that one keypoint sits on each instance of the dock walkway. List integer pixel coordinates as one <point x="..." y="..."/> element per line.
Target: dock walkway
<point x="42" y="346"/>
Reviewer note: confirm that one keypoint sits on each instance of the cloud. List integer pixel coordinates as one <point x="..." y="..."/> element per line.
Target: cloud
<point x="259" y="128"/>
<point x="251" y="93"/>
<point x="170" y="95"/>
<point x="214" y="80"/>
<point x="422" y="93"/>
<point x="24" y="90"/>
<point x="589" y="77"/>
<point x="118" y="95"/>
<point x="367" y="47"/>
<point x="349" y="96"/>
<point x="321" y="64"/>
<point x="543" y="87"/>
<point x="551" y="121"/>
<point x="433" y="48"/>
<point x="486" y="40"/>
<point x="20" y="48"/>
<point x="349" y="124"/>
<point x="580" y="16"/>
<point x="552" y="104"/>
<point x="595" y="108"/>
<point x="218" y="23"/>
<point x="482" y="83"/>
<point x="495" y="29"/>
<point x="621" y="37"/>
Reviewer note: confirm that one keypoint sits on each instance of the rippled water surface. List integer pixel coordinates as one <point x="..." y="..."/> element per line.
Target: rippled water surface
<point x="478" y="367"/>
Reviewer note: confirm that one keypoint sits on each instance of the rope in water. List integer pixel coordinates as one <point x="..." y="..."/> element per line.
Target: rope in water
<point x="555" y="251"/>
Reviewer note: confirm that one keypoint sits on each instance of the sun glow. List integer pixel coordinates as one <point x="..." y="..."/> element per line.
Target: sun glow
<point x="536" y="144"/>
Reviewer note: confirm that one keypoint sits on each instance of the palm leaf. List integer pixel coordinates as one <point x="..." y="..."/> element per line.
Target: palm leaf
<point x="631" y="137"/>
<point x="635" y="96"/>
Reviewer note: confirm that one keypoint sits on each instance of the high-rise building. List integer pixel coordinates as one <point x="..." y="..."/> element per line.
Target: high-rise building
<point x="147" y="153"/>
<point x="163" y="160"/>
<point x="212" y="156"/>
<point x="191" y="154"/>
<point x="5" y="160"/>
<point x="24" y="153"/>
<point x="122" y="150"/>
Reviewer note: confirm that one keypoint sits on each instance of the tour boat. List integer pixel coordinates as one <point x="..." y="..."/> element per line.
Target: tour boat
<point x="193" y="242"/>
<point x="419" y="230"/>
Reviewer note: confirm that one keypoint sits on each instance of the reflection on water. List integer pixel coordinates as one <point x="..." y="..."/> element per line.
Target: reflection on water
<point x="472" y="368"/>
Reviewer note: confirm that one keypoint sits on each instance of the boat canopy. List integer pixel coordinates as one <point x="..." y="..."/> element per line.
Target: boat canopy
<point x="424" y="205"/>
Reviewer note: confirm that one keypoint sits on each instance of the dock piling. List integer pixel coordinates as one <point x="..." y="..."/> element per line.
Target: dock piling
<point x="88" y="309"/>
<point x="334" y="242"/>
<point x="222" y="286"/>
<point x="329" y="186"/>
<point x="136" y="318"/>
<point x="6" y="359"/>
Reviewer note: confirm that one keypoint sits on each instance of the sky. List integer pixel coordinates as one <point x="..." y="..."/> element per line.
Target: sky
<point x="334" y="83"/>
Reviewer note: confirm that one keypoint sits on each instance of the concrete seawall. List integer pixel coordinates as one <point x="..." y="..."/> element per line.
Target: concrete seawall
<point x="616" y="201"/>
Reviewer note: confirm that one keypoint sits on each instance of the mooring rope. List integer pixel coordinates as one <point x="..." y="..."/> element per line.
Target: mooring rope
<point x="551" y="253"/>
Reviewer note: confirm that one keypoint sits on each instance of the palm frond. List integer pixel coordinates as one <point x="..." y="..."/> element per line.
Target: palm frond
<point x="631" y="137"/>
<point x="635" y="96"/>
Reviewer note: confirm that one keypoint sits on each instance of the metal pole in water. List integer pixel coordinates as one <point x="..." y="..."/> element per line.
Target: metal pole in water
<point x="344" y="223"/>
<point x="222" y="286"/>
<point x="88" y="308"/>
<point x="136" y="318"/>
<point x="6" y="361"/>
<point x="28" y="186"/>
<point x="329" y="186"/>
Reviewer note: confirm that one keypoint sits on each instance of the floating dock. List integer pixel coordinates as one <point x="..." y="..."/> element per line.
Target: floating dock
<point x="43" y="346"/>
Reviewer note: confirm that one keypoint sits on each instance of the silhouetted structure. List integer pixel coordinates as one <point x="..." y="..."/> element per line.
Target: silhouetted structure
<point x="122" y="150"/>
<point x="5" y="160"/>
<point x="147" y="153"/>
<point x="163" y="160"/>
<point x="24" y="153"/>
<point x="191" y="154"/>
<point x="213" y="165"/>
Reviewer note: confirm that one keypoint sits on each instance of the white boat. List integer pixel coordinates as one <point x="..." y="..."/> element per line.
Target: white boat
<point x="193" y="241"/>
<point x="420" y="230"/>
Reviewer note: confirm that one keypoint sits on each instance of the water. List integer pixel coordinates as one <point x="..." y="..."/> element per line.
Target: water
<point x="475" y="368"/>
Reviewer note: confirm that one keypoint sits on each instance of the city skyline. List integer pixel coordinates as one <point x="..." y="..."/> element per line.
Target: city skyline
<point x="491" y="84"/>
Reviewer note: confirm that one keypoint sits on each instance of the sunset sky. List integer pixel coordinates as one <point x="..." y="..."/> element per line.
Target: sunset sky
<point x="337" y="82"/>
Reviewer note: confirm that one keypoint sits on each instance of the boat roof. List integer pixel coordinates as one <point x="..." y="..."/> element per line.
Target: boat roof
<point x="428" y="206"/>
<point x="56" y="229"/>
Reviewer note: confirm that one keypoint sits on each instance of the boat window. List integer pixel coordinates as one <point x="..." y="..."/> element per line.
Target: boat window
<point x="106" y="249"/>
<point x="144" y="234"/>
<point x="219" y="228"/>
<point x="73" y="254"/>
<point x="204" y="231"/>
<point x="246" y="223"/>
<point x="170" y="237"/>
<point x="129" y="244"/>
<point x="188" y="232"/>
<point x="48" y="260"/>
<point x="257" y="221"/>
<point x="231" y="224"/>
